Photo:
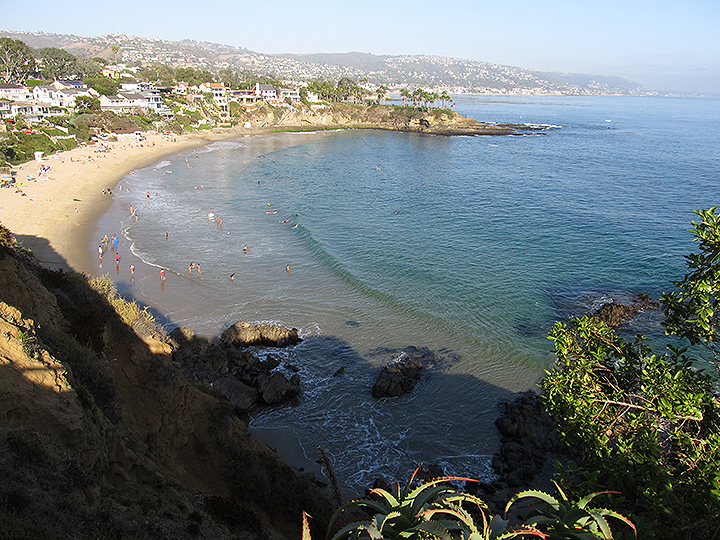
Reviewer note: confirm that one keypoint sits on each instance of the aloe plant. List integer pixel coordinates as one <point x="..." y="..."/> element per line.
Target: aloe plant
<point x="563" y="518"/>
<point x="434" y="510"/>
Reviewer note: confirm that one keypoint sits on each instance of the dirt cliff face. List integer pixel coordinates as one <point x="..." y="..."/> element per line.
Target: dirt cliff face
<point x="102" y="433"/>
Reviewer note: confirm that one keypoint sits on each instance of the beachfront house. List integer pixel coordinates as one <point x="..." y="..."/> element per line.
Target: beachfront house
<point x="294" y="95"/>
<point x="126" y="102"/>
<point x="29" y="110"/>
<point x="266" y="92"/>
<point x="244" y="97"/>
<point x="15" y="92"/>
<point x="123" y="102"/>
<point x="137" y="86"/>
<point x="64" y="98"/>
<point x="218" y="91"/>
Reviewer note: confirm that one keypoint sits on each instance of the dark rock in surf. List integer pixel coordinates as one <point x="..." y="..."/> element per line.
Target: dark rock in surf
<point x="242" y="334"/>
<point x="614" y="314"/>
<point x="276" y="388"/>
<point x="238" y="373"/>
<point x="398" y="378"/>
<point x="401" y="375"/>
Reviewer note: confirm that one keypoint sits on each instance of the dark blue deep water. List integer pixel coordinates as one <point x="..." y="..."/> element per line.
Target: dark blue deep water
<point x="470" y="246"/>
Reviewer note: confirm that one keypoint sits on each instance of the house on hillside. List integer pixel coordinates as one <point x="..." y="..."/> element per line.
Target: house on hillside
<point x="294" y="95"/>
<point x="244" y="97"/>
<point x="30" y="110"/>
<point x="15" y="92"/>
<point x="123" y="102"/>
<point x="137" y="86"/>
<point x="75" y="85"/>
<point x="266" y="92"/>
<point x="218" y="91"/>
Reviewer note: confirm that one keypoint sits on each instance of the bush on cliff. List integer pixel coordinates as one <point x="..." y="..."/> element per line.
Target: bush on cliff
<point x="646" y="424"/>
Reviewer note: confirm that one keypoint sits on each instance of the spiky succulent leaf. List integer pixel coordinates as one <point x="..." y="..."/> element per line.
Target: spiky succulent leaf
<point x="582" y="503"/>
<point x="602" y="525"/>
<point x="532" y="493"/>
<point x="606" y="512"/>
<point x="434" y="529"/>
<point x="352" y="530"/>
<point x="392" y="501"/>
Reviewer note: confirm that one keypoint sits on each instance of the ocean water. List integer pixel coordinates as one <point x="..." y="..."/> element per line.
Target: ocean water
<point x="369" y="242"/>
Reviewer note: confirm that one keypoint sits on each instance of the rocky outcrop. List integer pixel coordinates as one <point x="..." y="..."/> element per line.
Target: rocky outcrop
<point x="528" y="442"/>
<point x="614" y="314"/>
<point x="394" y="118"/>
<point x="242" y="334"/>
<point x="235" y="371"/>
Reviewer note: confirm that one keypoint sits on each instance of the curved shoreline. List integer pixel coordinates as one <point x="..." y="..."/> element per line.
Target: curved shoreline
<point x="54" y="214"/>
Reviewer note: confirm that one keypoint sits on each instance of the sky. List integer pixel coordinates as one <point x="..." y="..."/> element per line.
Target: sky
<point x="670" y="46"/>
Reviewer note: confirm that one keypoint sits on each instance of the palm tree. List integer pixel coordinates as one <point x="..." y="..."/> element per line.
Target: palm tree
<point x="381" y="93"/>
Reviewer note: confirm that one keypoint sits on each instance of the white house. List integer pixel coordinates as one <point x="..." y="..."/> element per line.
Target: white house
<point x="137" y="86"/>
<point x="218" y="91"/>
<point x="245" y="97"/>
<point x="31" y="111"/>
<point x="266" y="92"/>
<point x="123" y="102"/>
<point x="294" y="95"/>
<point x="15" y="92"/>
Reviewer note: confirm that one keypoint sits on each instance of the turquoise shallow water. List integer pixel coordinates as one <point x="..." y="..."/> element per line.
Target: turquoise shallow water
<point x="470" y="246"/>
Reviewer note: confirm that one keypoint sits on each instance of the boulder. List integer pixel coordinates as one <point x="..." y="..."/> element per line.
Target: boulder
<point x="242" y="334"/>
<point x="398" y="378"/>
<point x="241" y="396"/>
<point x="277" y="388"/>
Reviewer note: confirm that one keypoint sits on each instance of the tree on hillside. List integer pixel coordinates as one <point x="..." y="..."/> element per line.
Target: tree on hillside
<point x="229" y="78"/>
<point x="87" y="67"/>
<point x="382" y="93"/>
<point x="159" y="74"/>
<point x="103" y="85"/>
<point x="57" y="63"/>
<point x="86" y="104"/>
<point x="16" y="61"/>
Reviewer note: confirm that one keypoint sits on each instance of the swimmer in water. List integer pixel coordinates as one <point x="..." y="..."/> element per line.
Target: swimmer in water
<point x="232" y="277"/>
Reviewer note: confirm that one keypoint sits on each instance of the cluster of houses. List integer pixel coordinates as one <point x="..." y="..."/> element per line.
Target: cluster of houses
<point x="59" y="97"/>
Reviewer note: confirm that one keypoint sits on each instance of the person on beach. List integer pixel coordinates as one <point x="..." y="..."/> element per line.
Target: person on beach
<point x="114" y="241"/>
<point x="162" y="274"/>
<point x="100" y="252"/>
<point x="117" y="259"/>
<point x="105" y="240"/>
<point x="132" y="271"/>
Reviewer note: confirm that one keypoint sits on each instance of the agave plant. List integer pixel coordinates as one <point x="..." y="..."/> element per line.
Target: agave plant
<point x="434" y="510"/>
<point x="566" y="519"/>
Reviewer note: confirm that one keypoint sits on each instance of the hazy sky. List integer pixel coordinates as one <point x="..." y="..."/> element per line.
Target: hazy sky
<point x="668" y="45"/>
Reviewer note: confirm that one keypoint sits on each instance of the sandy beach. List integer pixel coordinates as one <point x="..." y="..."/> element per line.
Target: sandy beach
<point x="52" y="212"/>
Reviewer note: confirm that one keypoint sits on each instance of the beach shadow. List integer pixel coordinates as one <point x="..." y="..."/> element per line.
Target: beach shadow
<point x="448" y="419"/>
<point x="43" y="251"/>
